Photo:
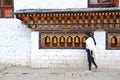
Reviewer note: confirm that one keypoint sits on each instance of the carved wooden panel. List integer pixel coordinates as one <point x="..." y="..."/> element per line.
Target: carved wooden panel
<point x="113" y="40"/>
<point x="62" y="40"/>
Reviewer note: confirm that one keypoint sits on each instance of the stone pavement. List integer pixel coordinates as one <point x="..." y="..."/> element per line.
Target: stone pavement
<point x="27" y="73"/>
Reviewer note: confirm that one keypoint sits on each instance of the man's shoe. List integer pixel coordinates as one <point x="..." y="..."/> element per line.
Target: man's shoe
<point x="96" y="67"/>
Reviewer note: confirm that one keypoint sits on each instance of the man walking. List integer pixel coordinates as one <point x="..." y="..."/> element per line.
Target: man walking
<point x="90" y="47"/>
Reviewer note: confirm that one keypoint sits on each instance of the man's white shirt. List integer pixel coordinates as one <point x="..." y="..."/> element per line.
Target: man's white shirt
<point x="90" y="43"/>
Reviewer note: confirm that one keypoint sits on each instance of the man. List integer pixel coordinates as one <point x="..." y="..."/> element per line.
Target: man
<point x="90" y="47"/>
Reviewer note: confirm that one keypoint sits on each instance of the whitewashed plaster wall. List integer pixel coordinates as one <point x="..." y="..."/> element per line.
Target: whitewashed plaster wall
<point x="15" y="42"/>
<point x="50" y="4"/>
<point x="104" y="57"/>
<point x="56" y="58"/>
<point x="19" y="45"/>
<point x="73" y="58"/>
<point x="67" y="58"/>
<point x="15" y="38"/>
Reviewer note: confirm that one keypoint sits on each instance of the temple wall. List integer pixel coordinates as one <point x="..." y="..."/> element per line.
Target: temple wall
<point x="15" y="38"/>
<point x="15" y="42"/>
<point x="56" y="58"/>
<point x="50" y="4"/>
<point x="104" y="57"/>
<point x="20" y="46"/>
<point x="73" y="58"/>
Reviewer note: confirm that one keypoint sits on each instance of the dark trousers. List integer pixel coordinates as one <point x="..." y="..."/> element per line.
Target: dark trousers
<point x="91" y="59"/>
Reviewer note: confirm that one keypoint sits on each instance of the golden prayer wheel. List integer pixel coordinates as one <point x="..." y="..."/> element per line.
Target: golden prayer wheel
<point x="69" y="41"/>
<point x="113" y="41"/>
<point x="54" y="41"/>
<point x="62" y="41"/>
<point x="77" y="41"/>
<point x="47" y="41"/>
<point x="84" y="41"/>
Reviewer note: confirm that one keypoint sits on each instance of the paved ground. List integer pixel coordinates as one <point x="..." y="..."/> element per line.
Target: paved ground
<point x="26" y="73"/>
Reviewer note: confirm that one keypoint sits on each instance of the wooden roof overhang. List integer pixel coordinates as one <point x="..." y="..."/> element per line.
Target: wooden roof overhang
<point x="71" y="19"/>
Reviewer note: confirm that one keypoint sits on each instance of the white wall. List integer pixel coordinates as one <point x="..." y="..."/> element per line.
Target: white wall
<point x="105" y="58"/>
<point x="56" y="58"/>
<point x="73" y="58"/>
<point x="15" y="38"/>
<point x="48" y="4"/>
<point x="15" y="41"/>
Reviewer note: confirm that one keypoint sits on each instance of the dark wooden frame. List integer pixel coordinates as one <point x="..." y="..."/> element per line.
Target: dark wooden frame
<point x="108" y="45"/>
<point x="101" y="4"/>
<point x="3" y="7"/>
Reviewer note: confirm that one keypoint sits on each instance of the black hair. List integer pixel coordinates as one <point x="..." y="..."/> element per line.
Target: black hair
<point x="88" y="33"/>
